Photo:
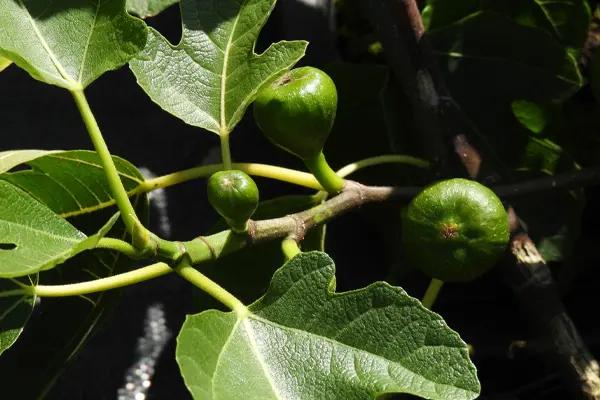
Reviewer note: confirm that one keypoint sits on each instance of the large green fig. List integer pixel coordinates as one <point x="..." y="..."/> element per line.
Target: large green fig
<point x="455" y="230"/>
<point x="296" y="111"/>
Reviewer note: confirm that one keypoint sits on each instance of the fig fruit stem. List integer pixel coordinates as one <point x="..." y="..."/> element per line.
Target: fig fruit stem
<point x="225" y="150"/>
<point x="331" y="182"/>
<point x="140" y="236"/>
<point x="290" y="248"/>
<point x="120" y="246"/>
<point x="263" y="170"/>
<point x="382" y="159"/>
<point x="432" y="292"/>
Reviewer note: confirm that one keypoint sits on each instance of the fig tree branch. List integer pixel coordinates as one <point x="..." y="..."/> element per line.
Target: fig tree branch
<point x="207" y="248"/>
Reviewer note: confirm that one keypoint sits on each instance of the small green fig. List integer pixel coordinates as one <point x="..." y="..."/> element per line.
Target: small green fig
<point x="455" y="230"/>
<point x="296" y="111"/>
<point x="234" y="195"/>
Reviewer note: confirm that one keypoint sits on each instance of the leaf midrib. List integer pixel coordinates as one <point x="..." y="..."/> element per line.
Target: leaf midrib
<point x="254" y="346"/>
<point x="44" y="233"/>
<point x="327" y="339"/>
<point x="46" y="47"/>
<point x="224" y="129"/>
<point x="87" y="43"/>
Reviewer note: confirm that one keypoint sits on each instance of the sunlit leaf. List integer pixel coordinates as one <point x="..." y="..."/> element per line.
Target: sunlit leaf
<point x="148" y="8"/>
<point x="32" y="237"/>
<point x="69" y="43"/>
<point x="209" y="78"/>
<point x="4" y="63"/>
<point x="352" y="345"/>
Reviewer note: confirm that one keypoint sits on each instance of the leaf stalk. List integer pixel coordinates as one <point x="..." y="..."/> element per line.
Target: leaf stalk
<point x="128" y="214"/>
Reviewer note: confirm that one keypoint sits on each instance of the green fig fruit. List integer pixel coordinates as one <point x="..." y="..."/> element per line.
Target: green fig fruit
<point x="296" y="111"/>
<point x="234" y="195"/>
<point x="455" y="230"/>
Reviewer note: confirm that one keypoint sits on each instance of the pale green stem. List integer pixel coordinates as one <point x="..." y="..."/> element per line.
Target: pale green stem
<point x="117" y="189"/>
<point x="290" y="248"/>
<point x="192" y="275"/>
<point x="225" y="151"/>
<point x="118" y="245"/>
<point x="100" y="285"/>
<point x="263" y="170"/>
<point x="432" y="292"/>
<point x="327" y="177"/>
<point x="383" y="159"/>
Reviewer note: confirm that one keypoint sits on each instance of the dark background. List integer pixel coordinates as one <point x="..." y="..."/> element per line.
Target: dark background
<point x="483" y="312"/>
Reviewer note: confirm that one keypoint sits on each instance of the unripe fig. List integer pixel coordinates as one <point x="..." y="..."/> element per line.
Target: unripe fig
<point x="234" y="195"/>
<point x="455" y="230"/>
<point x="296" y="111"/>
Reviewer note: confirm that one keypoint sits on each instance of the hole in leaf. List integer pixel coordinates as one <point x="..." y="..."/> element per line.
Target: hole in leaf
<point x="7" y="246"/>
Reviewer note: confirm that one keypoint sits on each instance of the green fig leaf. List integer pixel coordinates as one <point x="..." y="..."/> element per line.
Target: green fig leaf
<point x="534" y="67"/>
<point x="33" y="238"/>
<point x="533" y="116"/>
<point x="352" y="345"/>
<point x="15" y="311"/>
<point x="209" y="78"/>
<point x="69" y="43"/>
<point x="148" y="8"/>
<point x="61" y="327"/>
<point x="4" y="63"/>
<point x="72" y="183"/>
<point x="12" y="158"/>
<point x="566" y="20"/>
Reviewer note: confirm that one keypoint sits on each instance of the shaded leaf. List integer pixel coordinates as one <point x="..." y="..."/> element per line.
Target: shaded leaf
<point x="490" y="43"/>
<point x="555" y="227"/>
<point x="148" y="8"/>
<point x="209" y="79"/>
<point x="541" y="155"/>
<point x="353" y="345"/>
<point x="4" y="63"/>
<point x="33" y="238"/>
<point x="489" y="62"/>
<point x="566" y="20"/>
<point x="12" y="158"/>
<point x="61" y="327"/>
<point x="72" y="183"/>
<point x="14" y="313"/>
<point x="443" y="13"/>
<point x="531" y="115"/>
<point x="69" y="43"/>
